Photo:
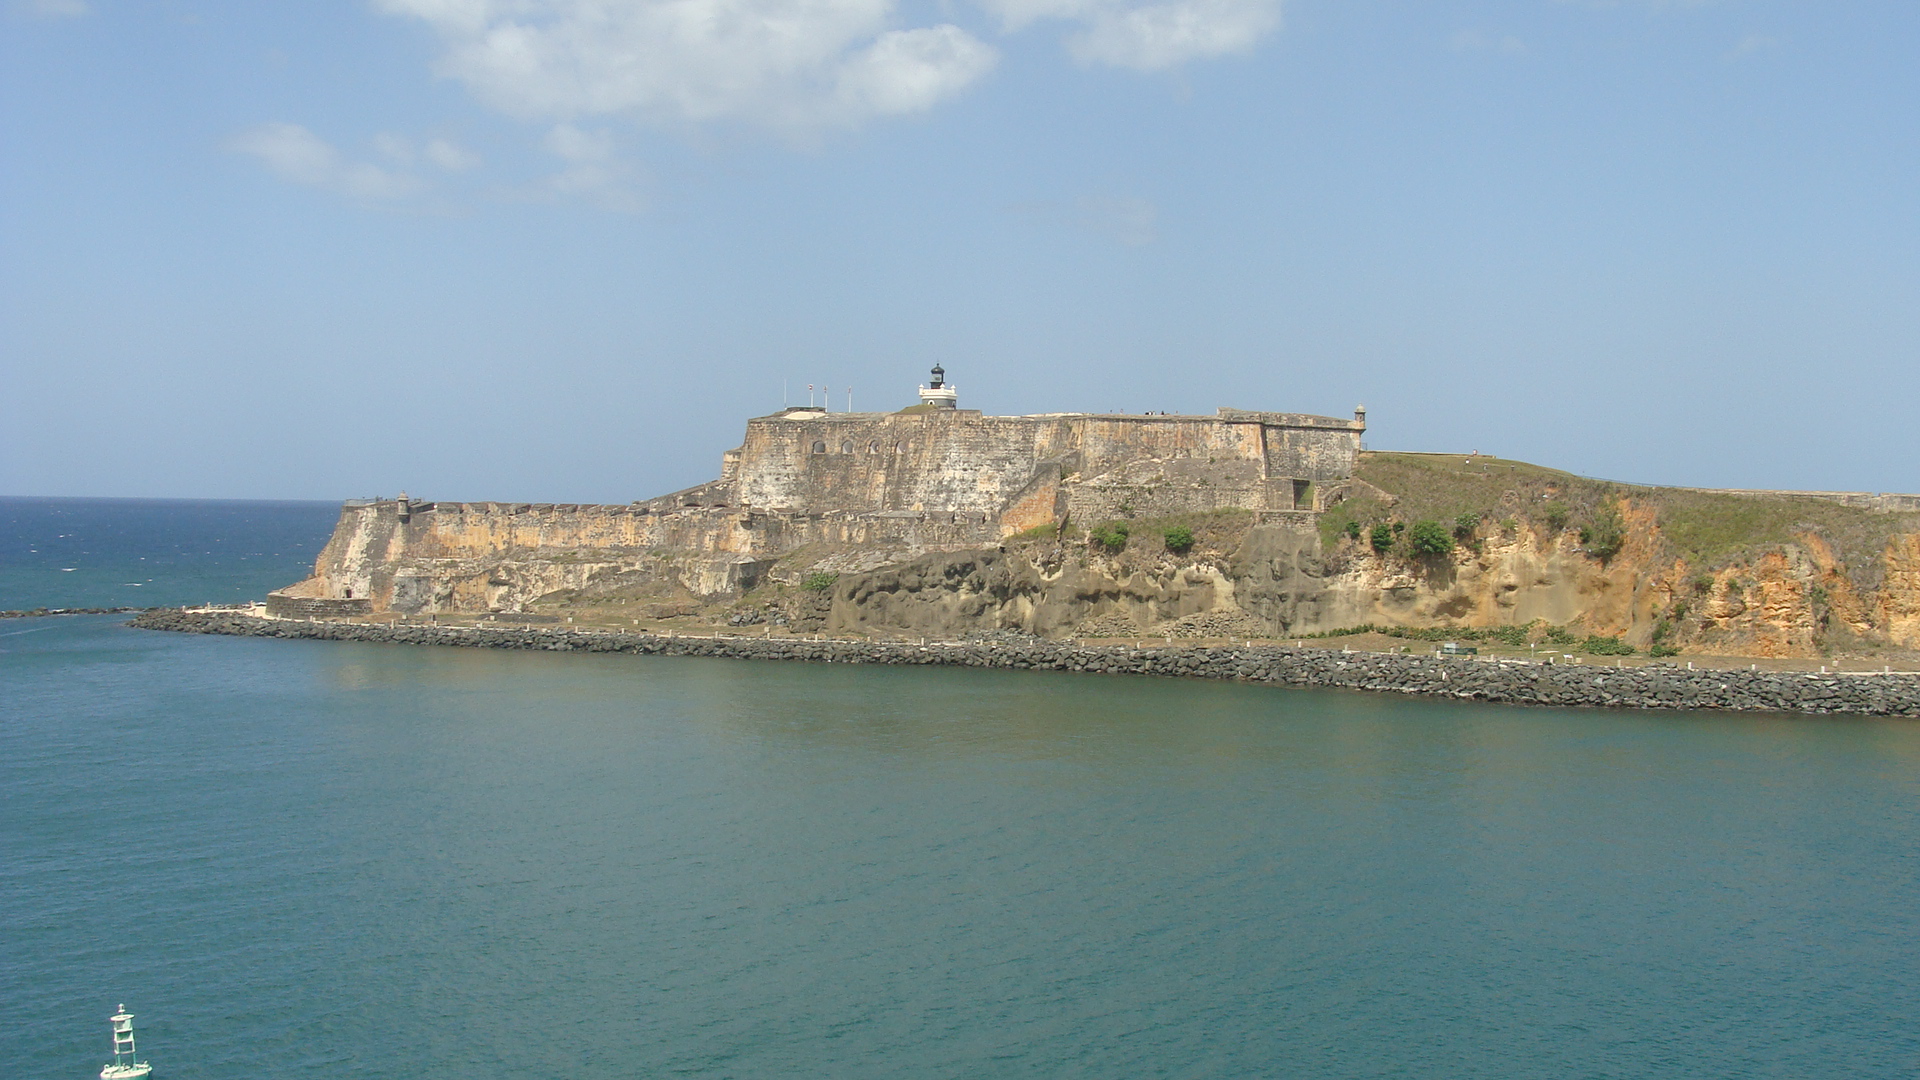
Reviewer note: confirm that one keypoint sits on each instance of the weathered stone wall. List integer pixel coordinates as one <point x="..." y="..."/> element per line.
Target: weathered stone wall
<point x="1031" y="469"/>
<point x="892" y="485"/>
<point x="1884" y="502"/>
<point x="282" y="606"/>
<point x="943" y="460"/>
<point x="500" y="556"/>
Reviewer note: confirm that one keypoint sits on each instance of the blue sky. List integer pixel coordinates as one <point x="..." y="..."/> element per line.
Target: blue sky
<point x="558" y="250"/>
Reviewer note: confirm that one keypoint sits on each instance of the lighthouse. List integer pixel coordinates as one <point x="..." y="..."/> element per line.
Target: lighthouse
<point x="939" y="394"/>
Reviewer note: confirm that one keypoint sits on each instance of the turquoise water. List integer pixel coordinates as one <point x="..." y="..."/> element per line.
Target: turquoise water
<point x="154" y="552"/>
<point x="346" y="860"/>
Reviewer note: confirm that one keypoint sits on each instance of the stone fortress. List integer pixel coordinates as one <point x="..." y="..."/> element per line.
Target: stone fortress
<point x="877" y="487"/>
<point x="940" y="522"/>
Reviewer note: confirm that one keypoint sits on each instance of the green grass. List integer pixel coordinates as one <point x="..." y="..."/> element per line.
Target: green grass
<point x="1046" y="531"/>
<point x="1708" y="529"/>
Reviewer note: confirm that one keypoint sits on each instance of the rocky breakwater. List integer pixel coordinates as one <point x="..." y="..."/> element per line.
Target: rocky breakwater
<point x="1513" y="682"/>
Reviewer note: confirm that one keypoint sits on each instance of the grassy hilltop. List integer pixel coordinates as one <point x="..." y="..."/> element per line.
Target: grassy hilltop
<point x="1707" y="529"/>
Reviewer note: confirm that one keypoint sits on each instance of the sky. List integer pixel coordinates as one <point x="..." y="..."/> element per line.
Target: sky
<point x="560" y="250"/>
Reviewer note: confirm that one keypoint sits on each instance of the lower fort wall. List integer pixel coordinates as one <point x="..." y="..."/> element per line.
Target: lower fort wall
<point x="900" y="483"/>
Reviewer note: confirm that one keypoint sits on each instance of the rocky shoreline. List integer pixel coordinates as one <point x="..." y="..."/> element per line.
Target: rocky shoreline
<point x="35" y="613"/>
<point x="1513" y="683"/>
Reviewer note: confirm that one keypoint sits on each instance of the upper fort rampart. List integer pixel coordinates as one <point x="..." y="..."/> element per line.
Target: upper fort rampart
<point x="931" y="477"/>
<point x="1022" y="471"/>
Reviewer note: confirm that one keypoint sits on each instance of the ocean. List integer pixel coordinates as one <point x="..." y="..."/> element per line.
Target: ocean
<point x="103" y="553"/>
<point x="351" y="860"/>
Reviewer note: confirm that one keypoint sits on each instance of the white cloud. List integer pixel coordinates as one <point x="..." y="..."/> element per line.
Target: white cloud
<point x="443" y="153"/>
<point x="1149" y="37"/>
<point x="593" y="172"/>
<point x="296" y="154"/>
<point x="450" y="155"/>
<point x="53" y="9"/>
<point x="792" y="64"/>
<point x="1484" y="42"/>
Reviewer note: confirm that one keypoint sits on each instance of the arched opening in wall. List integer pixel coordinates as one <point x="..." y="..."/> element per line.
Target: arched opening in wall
<point x="899" y="448"/>
<point x="846" y="446"/>
<point x="819" y="446"/>
<point x="873" y="447"/>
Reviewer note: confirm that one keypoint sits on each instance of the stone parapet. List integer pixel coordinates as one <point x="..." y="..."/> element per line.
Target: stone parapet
<point x="282" y="606"/>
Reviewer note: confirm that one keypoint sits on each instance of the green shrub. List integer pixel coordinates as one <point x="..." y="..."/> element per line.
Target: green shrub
<point x="1111" y="536"/>
<point x="819" y="581"/>
<point x="1560" y="635"/>
<point x="1429" y="538"/>
<point x="1466" y="525"/>
<point x="1381" y="537"/>
<point x="1515" y="636"/>
<point x="1703" y="583"/>
<point x="1557" y="515"/>
<point x="1353" y="530"/>
<point x="1179" y="539"/>
<point x="1604" y="535"/>
<point x="1606" y="646"/>
<point x="1661" y="629"/>
<point x="1039" y="532"/>
<point x="1663" y="650"/>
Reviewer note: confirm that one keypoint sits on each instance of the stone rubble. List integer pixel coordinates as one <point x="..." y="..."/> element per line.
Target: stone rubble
<point x="1506" y="682"/>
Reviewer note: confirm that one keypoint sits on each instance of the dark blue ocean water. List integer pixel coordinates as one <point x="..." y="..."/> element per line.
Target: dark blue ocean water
<point x="341" y="860"/>
<point x="154" y="552"/>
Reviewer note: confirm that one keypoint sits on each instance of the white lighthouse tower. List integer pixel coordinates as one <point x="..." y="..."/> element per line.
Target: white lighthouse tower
<point x="125" y="1066"/>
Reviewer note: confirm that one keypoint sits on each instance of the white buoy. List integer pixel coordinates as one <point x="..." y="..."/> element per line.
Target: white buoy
<point x="125" y="1066"/>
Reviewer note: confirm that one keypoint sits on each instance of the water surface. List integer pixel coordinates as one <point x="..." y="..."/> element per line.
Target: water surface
<point x="98" y="553"/>
<point x="386" y="861"/>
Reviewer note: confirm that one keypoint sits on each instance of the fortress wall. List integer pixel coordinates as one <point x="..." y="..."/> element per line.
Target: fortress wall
<point x="446" y="553"/>
<point x="959" y="460"/>
<point x="946" y="460"/>
<point x="1306" y="453"/>
<point x="1091" y="503"/>
<point x="282" y="606"/>
<point x="1863" y="500"/>
<point x="1234" y="450"/>
<point x="901" y="531"/>
<point x="899" y="484"/>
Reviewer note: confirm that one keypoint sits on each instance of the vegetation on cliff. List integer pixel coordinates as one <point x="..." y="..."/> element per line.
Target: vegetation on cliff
<point x="1706" y="528"/>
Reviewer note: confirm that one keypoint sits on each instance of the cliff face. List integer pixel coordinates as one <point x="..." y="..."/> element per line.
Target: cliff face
<point x="1763" y="574"/>
<point x="1275" y="578"/>
<point x="1277" y="581"/>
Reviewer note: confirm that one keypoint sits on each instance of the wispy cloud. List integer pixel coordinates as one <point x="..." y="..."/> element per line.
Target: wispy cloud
<point x="593" y="170"/>
<point x="796" y="65"/>
<point x="297" y="155"/>
<point x="798" y="68"/>
<point x="1149" y="36"/>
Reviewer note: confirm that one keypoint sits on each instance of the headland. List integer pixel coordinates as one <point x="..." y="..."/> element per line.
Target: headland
<point x="941" y="523"/>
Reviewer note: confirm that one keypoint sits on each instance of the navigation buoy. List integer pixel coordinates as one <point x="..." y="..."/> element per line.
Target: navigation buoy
<point x="125" y="1066"/>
